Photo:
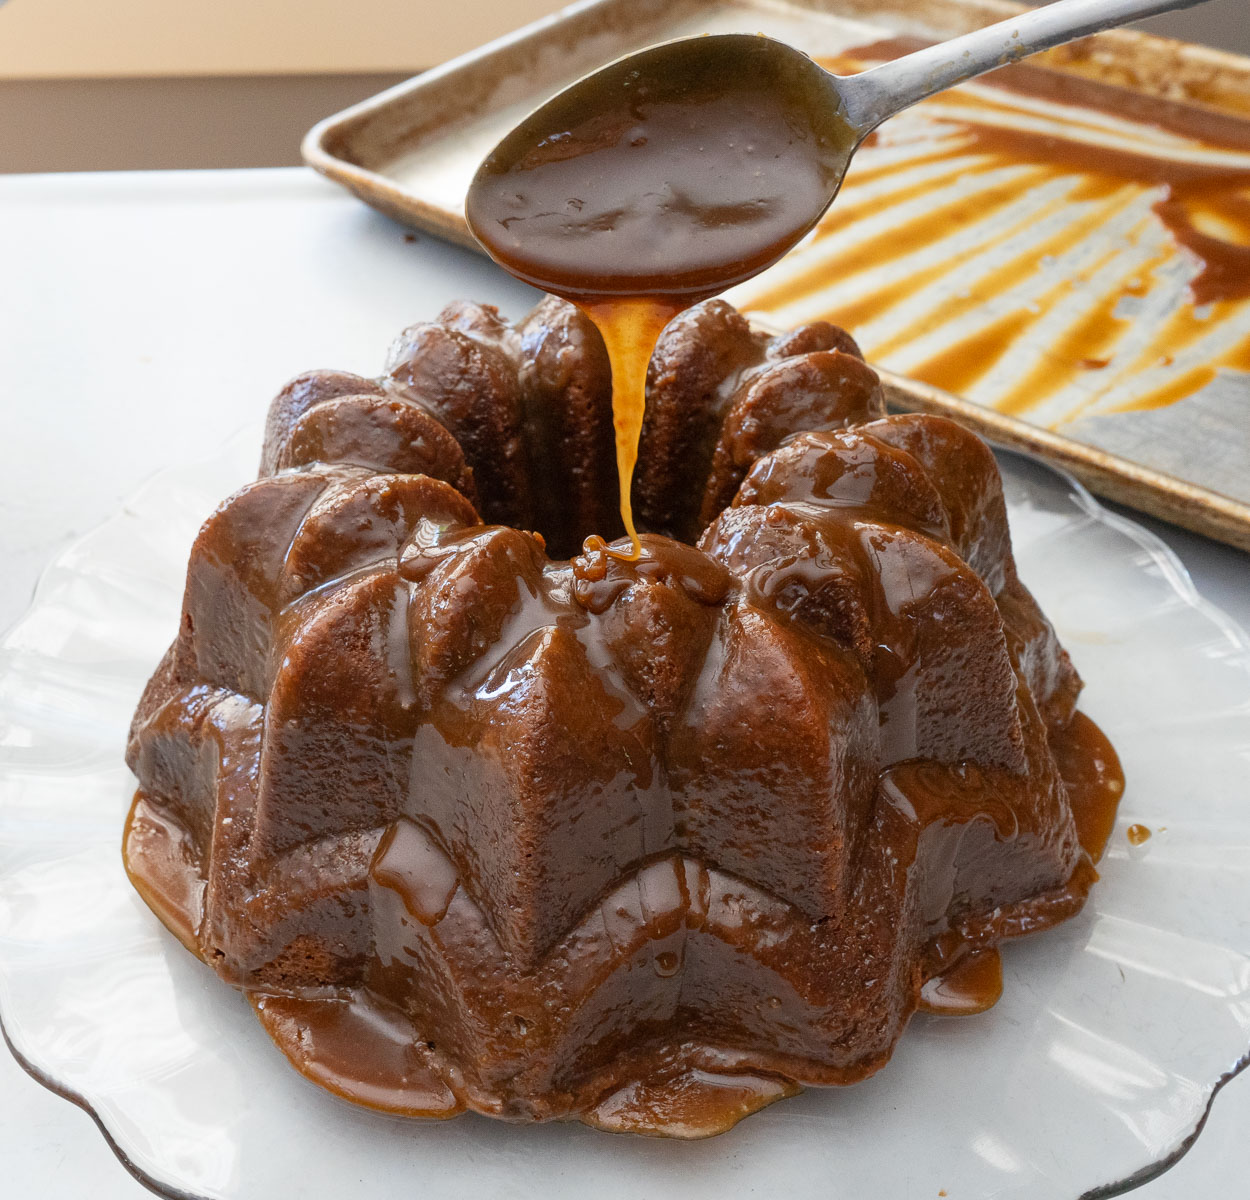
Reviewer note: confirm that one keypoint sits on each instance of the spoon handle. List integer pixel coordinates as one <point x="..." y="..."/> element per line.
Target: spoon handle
<point x="869" y="98"/>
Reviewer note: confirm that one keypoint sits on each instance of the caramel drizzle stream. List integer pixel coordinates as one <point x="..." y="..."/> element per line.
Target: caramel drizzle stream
<point x="630" y="329"/>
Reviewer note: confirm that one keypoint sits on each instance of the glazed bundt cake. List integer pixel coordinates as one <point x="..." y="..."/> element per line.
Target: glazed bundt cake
<point x="483" y="816"/>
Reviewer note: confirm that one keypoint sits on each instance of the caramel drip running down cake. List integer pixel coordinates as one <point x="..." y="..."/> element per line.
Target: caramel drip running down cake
<point x="482" y="815"/>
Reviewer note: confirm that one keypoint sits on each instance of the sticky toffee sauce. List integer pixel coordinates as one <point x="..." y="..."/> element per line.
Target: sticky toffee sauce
<point x="659" y="184"/>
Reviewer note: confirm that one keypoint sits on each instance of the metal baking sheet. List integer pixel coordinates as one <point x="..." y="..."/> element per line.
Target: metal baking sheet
<point x="1048" y="318"/>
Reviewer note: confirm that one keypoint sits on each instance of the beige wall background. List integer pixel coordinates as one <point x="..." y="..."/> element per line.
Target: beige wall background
<point x="59" y="39"/>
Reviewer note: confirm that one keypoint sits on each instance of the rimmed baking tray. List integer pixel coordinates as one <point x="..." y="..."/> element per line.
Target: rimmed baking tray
<point x="1138" y="391"/>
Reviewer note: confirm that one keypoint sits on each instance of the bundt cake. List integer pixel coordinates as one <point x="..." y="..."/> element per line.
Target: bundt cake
<point x="483" y="816"/>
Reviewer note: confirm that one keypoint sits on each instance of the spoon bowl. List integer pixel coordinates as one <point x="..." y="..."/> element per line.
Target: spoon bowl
<point x="683" y="169"/>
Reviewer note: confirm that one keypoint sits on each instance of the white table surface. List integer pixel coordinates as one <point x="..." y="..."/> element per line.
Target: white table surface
<point x="145" y="316"/>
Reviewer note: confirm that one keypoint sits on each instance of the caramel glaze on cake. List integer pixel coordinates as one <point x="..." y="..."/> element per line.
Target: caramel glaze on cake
<point x="648" y="844"/>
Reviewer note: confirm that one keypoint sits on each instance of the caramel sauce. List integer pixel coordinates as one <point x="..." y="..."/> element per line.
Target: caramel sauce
<point x="1094" y="778"/>
<point x="1186" y="385"/>
<point x="987" y="132"/>
<point x="630" y="329"/>
<point x="973" y="985"/>
<point x="154" y="849"/>
<point x="959" y="366"/>
<point x="1087" y="343"/>
<point x="655" y="184"/>
<point x="691" y="1105"/>
<point x="1138" y="835"/>
<point x="361" y="1049"/>
<point x="1225" y="259"/>
<point x="408" y="863"/>
<point x="896" y="242"/>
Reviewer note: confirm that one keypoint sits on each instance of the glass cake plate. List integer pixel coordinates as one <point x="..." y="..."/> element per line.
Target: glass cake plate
<point x="1091" y="1075"/>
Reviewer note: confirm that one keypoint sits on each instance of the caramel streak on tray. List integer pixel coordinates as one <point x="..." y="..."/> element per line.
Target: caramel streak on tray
<point x="1026" y="252"/>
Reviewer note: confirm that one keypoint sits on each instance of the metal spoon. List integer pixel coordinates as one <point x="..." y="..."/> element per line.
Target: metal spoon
<point x="692" y="165"/>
